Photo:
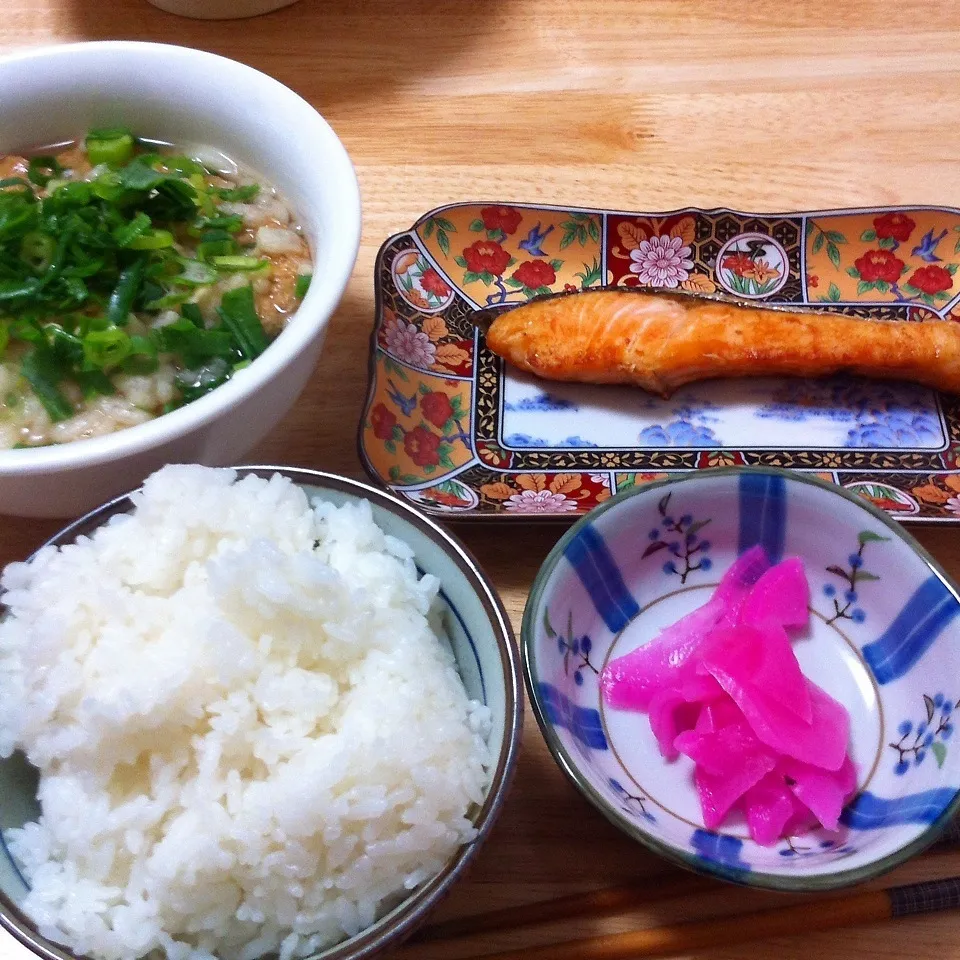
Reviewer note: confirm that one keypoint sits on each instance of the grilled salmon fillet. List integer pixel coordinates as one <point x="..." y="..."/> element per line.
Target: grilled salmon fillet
<point x="661" y="341"/>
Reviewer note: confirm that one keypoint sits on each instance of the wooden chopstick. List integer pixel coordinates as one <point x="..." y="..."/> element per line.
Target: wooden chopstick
<point x="596" y="903"/>
<point x="819" y="914"/>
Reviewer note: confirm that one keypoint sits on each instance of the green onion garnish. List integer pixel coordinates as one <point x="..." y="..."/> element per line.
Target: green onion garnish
<point x="191" y="312"/>
<point x="105" y="349"/>
<point x="302" y="285"/>
<point x="152" y="240"/>
<point x="41" y="371"/>
<point x="80" y="258"/>
<point x="41" y="170"/>
<point x="239" y="194"/>
<point x="112" y="147"/>
<point x="125" y="292"/>
<point x="216" y="248"/>
<point x="239" y="263"/>
<point x="239" y="316"/>
<point x="37" y="250"/>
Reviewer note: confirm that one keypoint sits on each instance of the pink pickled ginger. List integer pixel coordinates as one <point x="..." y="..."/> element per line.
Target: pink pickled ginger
<point x="723" y="687"/>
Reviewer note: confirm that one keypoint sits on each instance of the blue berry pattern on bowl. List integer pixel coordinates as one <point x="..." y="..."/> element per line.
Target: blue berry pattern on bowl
<point x="884" y="633"/>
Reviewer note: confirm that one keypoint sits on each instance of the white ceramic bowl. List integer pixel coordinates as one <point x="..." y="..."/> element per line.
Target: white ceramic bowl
<point x="188" y="96"/>
<point x="220" y="9"/>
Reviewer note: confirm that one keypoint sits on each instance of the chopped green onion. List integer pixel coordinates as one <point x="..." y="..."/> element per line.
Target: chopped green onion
<point x="125" y="293"/>
<point x="191" y="312"/>
<point x="76" y="289"/>
<point x="12" y="290"/>
<point x="41" y="371"/>
<point x="229" y="224"/>
<point x="239" y="194"/>
<point x="215" y="235"/>
<point x="168" y="300"/>
<point x="216" y="248"/>
<point x="37" y="250"/>
<point x="195" y="274"/>
<point x="143" y="356"/>
<point x="152" y="240"/>
<point x="112" y="147"/>
<point x="73" y="193"/>
<point x="302" y="285"/>
<point x="108" y="187"/>
<point x="27" y="332"/>
<point x="193" y="344"/>
<point x="239" y="263"/>
<point x="108" y="133"/>
<point x="94" y="383"/>
<point x="41" y="170"/>
<point x="194" y="384"/>
<point x="137" y="227"/>
<point x="105" y="349"/>
<point x="239" y="316"/>
<point x="67" y="348"/>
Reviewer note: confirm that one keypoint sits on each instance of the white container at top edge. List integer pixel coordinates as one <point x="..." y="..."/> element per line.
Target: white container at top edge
<point x="220" y="9"/>
<point x="181" y="95"/>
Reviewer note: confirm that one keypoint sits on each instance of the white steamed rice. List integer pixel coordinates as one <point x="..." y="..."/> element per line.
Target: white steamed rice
<point x="249" y="734"/>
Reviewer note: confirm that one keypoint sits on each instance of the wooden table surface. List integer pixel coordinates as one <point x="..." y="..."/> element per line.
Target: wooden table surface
<point x="631" y="104"/>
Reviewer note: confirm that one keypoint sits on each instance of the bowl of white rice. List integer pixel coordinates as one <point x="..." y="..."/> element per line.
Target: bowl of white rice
<point x="244" y="713"/>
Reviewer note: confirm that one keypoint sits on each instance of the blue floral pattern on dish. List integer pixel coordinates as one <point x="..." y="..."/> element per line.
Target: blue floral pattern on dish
<point x="677" y="433"/>
<point x="574" y="650"/>
<point x="794" y="848"/>
<point x="851" y="575"/>
<point x="891" y="416"/>
<point x="525" y="440"/>
<point x="540" y="403"/>
<point x="833" y="414"/>
<point x="681" y="537"/>
<point x="928" y="735"/>
<point x="631" y="803"/>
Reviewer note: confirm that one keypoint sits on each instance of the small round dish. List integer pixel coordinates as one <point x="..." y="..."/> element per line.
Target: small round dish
<point x="884" y="640"/>
<point x="180" y="95"/>
<point x="482" y="643"/>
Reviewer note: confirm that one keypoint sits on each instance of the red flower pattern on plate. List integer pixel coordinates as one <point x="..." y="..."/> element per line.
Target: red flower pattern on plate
<point x="436" y="408"/>
<point x="894" y="226"/>
<point x="445" y="499"/>
<point x="422" y="447"/>
<point x="931" y="279"/>
<point x="383" y="422"/>
<point x="506" y="219"/>
<point x="486" y="256"/>
<point x="432" y="282"/>
<point x="534" y="274"/>
<point x="738" y="263"/>
<point x="877" y="265"/>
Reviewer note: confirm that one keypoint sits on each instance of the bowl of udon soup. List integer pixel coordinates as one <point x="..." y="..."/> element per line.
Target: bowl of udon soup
<point x="176" y="230"/>
<point x="246" y="713"/>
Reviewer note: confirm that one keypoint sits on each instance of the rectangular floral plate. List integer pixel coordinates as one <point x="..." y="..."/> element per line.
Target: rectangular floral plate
<point x="450" y="427"/>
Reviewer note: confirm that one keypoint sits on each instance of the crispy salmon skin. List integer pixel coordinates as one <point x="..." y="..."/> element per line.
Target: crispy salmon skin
<point x="660" y="341"/>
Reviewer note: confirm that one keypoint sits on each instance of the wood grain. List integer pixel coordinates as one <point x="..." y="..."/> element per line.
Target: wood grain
<point x="636" y="105"/>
